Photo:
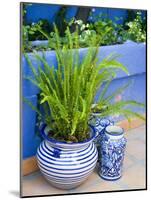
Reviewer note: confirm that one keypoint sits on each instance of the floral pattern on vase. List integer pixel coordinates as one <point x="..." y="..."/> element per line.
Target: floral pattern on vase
<point x="99" y="124"/>
<point x="112" y="150"/>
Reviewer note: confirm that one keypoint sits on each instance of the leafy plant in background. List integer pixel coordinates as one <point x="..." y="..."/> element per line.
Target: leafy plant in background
<point x="31" y="33"/>
<point x="26" y="45"/>
<point x="67" y="92"/>
<point x="85" y="36"/>
<point x="136" y="29"/>
<point x="85" y="33"/>
<point x="34" y="30"/>
<point x="106" y="31"/>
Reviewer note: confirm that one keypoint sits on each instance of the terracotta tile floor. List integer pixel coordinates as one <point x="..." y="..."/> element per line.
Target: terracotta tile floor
<point x="134" y="172"/>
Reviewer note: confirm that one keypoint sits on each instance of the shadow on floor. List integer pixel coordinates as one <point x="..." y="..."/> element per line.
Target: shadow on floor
<point x="15" y="193"/>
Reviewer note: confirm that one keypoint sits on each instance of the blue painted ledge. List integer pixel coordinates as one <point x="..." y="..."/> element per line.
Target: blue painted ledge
<point x="133" y="56"/>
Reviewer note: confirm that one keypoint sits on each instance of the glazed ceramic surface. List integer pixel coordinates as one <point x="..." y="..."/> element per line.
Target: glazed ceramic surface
<point x="112" y="153"/>
<point x="66" y="165"/>
<point x="99" y="124"/>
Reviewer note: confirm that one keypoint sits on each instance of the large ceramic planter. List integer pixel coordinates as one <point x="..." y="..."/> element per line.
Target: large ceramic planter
<point x="66" y="165"/>
<point x="112" y="153"/>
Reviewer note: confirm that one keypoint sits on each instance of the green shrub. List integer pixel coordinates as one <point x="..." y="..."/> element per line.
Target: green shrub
<point x="105" y="30"/>
<point x="136" y="29"/>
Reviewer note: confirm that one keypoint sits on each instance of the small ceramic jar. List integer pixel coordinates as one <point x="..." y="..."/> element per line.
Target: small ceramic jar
<point x="112" y="150"/>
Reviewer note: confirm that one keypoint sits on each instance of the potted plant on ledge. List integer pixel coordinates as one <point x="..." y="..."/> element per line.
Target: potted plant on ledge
<point x="67" y="155"/>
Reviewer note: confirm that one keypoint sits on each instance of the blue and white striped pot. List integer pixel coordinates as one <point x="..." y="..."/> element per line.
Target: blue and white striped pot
<point x="66" y="165"/>
<point x="112" y="150"/>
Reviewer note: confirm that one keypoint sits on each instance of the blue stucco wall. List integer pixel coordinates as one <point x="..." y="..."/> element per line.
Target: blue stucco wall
<point x="133" y="56"/>
<point x="110" y="13"/>
<point x="36" y="12"/>
<point x="30" y="140"/>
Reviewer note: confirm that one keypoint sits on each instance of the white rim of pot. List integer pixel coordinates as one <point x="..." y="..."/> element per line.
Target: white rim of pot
<point x="114" y="132"/>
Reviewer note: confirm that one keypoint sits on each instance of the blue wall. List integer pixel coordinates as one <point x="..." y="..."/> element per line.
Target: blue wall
<point x="133" y="56"/>
<point x="110" y="13"/>
<point x="30" y="140"/>
<point x="36" y="12"/>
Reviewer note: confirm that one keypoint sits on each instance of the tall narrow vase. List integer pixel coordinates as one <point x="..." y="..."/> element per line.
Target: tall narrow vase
<point x="112" y="151"/>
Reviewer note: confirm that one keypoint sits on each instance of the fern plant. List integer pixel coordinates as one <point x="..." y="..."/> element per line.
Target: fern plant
<point x="67" y="92"/>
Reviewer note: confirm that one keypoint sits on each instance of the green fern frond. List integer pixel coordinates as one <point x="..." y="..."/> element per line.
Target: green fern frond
<point x="119" y="109"/>
<point x="116" y="92"/>
<point x="32" y="106"/>
<point x="31" y="66"/>
<point x="101" y="97"/>
<point x="112" y="63"/>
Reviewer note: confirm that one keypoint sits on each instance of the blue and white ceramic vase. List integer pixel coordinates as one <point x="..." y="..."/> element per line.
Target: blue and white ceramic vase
<point x="112" y="153"/>
<point x="99" y="124"/>
<point x="66" y="165"/>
